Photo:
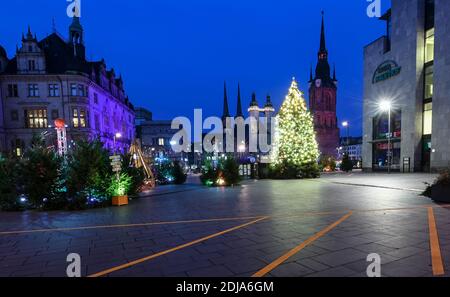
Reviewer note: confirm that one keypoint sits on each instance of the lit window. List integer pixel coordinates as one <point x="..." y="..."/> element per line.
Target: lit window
<point x="79" y="118"/>
<point x="161" y="141"/>
<point x="36" y="118"/>
<point x="429" y="45"/>
<point x="429" y="82"/>
<point x="427" y="118"/>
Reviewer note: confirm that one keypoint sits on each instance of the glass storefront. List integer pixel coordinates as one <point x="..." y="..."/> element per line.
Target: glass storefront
<point x="381" y="149"/>
<point x="381" y="155"/>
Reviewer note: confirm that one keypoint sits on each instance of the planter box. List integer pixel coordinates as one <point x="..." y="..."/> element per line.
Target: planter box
<point x="440" y="193"/>
<point x="120" y="200"/>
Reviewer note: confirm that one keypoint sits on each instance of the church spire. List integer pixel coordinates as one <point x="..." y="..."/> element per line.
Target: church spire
<point x="323" y="47"/>
<point x="323" y="71"/>
<point x="239" y="103"/>
<point x="334" y="72"/>
<point x="226" y="112"/>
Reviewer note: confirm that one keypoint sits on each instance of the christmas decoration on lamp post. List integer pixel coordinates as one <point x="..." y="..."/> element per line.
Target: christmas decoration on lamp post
<point x="60" y="127"/>
<point x="295" y="142"/>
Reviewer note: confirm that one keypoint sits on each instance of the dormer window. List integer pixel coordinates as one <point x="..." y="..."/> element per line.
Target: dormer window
<point x="31" y="65"/>
<point x="30" y="48"/>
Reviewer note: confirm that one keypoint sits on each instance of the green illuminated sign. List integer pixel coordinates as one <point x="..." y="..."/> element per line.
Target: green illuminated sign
<point x="385" y="71"/>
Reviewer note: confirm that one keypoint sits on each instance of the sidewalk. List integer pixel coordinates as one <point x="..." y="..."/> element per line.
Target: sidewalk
<point x="416" y="182"/>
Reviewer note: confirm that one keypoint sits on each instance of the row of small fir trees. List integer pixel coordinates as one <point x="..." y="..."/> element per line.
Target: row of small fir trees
<point x="41" y="179"/>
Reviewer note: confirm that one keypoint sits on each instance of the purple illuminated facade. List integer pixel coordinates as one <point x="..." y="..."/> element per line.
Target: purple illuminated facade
<point x="51" y="79"/>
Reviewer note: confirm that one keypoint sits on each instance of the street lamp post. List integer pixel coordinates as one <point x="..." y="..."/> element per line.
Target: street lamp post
<point x="347" y="126"/>
<point x="387" y="106"/>
<point x="116" y="136"/>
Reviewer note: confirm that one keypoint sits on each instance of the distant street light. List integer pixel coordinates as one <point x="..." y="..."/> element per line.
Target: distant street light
<point x="386" y="106"/>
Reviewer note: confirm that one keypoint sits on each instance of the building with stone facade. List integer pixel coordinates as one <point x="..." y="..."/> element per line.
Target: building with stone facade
<point x="408" y="68"/>
<point x="323" y="101"/>
<point x="51" y="79"/>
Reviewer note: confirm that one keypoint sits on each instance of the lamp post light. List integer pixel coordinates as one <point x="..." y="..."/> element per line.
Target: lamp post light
<point x="116" y="136"/>
<point x="347" y="126"/>
<point x="386" y="106"/>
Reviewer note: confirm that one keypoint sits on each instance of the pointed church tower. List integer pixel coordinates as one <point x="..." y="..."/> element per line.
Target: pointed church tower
<point x="323" y="100"/>
<point x="226" y="112"/>
<point x="239" y="113"/>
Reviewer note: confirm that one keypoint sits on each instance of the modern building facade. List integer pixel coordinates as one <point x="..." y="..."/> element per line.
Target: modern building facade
<point x="52" y="79"/>
<point x="323" y="101"/>
<point x="351" y="146"/>
<point x="408" y="68"/>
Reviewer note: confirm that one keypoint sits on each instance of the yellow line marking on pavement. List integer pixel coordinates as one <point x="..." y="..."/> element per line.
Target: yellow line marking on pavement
<point x="298" y="248"/>
<point x="436" y="258"/>
<point x="217" y="219"/>
<point x="128" y="225"/>
<point x="138" y="261"/>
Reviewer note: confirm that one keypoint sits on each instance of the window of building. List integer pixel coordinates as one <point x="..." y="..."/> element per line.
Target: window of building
<point x="53" y="90"/>
<point x="381" y="127"/>
<point x="36" y="118"/>
<point x="97" y="121"/>
<point x="95" y="98"/>
<point x="161" y="141"/>
<point x="13" y="90"/>
<point x="55" y="114"/>
<point x="427" y="118"/>
<point x="429" y="45"/>
<point x="14" y="115"/>
<point x="31" y="65"/>
<point x="429" y="82"/>
<point x="18" y="147"/>
<point x="33" y="90"/>
<point x="429" y="14"/>
<point x="73" y="89"/>
<point x="79" y="118"/>
<point x="81" y="91"/>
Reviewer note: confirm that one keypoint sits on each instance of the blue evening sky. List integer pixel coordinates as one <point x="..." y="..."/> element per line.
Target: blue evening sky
<point x="175" y="55"/>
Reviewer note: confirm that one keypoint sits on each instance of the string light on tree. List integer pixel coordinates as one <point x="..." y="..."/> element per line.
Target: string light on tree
<point x="295" y="137"/>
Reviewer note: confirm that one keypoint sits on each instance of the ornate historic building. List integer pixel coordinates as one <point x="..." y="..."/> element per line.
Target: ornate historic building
<point x="51" y="79"/>
<point x="322" y="101"/>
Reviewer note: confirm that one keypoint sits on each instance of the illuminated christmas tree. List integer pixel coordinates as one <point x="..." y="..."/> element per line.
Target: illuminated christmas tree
<point x="295" y="140"/>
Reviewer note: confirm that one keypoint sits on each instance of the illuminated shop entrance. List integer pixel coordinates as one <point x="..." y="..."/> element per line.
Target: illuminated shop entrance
<point x="387" y="146"/>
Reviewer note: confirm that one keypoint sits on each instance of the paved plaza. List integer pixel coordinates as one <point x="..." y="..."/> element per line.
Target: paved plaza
<point x="323" y="227"/>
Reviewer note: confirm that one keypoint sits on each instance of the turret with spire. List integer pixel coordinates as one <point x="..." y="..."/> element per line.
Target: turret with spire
<point x="76" y="38"/>
<point x="239" y="113"/>
<point x="226" y="111"/>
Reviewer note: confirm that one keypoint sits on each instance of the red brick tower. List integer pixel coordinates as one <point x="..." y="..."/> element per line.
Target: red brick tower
<point x="322" y="101"/>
